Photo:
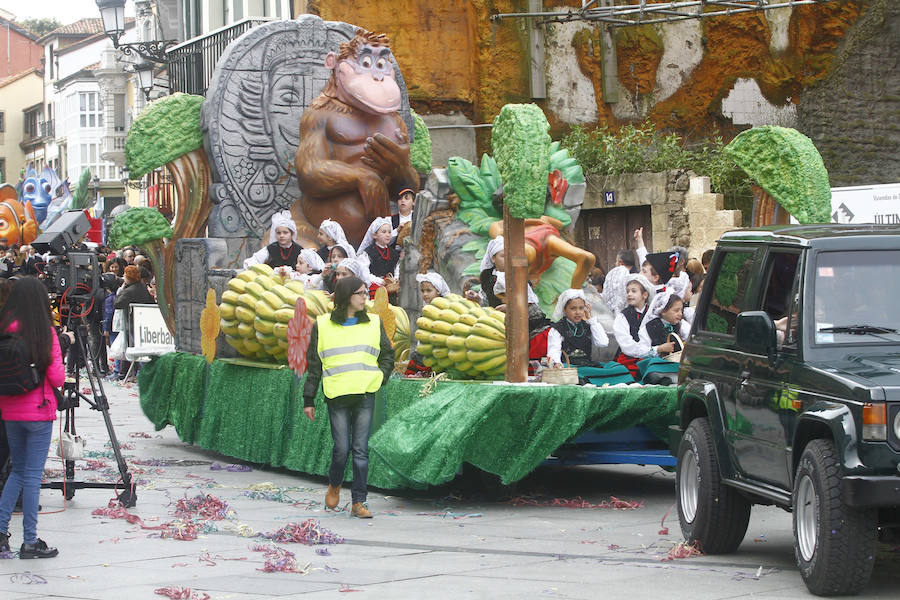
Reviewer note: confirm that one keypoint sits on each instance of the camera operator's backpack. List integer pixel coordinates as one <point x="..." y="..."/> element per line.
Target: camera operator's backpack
<point x="17" y="373"/>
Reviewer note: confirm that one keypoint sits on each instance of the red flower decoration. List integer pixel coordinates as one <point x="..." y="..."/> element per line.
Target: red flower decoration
<point x="298" y="332"/>
<point x="558" y="186"/>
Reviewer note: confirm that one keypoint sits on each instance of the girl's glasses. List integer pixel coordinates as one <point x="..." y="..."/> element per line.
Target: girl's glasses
<point x="360" y="293"/>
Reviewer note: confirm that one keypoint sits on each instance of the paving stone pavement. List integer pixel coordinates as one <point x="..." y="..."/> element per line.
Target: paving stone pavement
<point x="449" y="542"/>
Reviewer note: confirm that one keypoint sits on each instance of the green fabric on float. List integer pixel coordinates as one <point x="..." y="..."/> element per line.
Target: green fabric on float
<point x="256" y="415"/>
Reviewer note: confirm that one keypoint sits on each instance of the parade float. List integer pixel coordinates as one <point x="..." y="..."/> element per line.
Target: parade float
<point x="241" y="154"/>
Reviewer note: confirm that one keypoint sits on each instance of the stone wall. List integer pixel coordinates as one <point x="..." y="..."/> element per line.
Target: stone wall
<point x="683" y="211"/>
<point x="853" y="115"/>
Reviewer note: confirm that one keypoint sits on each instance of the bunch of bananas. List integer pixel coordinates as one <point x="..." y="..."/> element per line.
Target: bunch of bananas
<point x="258" y="304"/>
<point x="457" y="335"/>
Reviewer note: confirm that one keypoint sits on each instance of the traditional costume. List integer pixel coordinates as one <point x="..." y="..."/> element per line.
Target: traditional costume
<point x="538" y="323"/>
<point x="626" y="328"/>
<point x="654" y="330"/>
<point x="380" y="261"/>
<point x="274" y="254"/>
<point x="576" y="340"/>
<point x="312" y="280"/>
<point x="436" y="280"/>
<point x="333" y="230"/>
<point x="487" y="277"/>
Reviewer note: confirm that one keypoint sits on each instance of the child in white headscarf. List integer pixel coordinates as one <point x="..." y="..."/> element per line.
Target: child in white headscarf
<point x="664" y="317"/>
<point x="377" y="254"/>
<point x="339" y="252"/>
<point x="351" y="267"/>
<point x="282" y="249"/>
<point x="309" y="270"/>
<point x="431" y="285"/>
<point x="575" y="331"/>
<point x="329" y="235"/>
<point x="493" y="261"/>
<point x="638" y="294"/>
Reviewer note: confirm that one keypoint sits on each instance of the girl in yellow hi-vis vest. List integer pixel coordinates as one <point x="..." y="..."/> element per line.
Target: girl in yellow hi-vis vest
<point x="350" y="353"/>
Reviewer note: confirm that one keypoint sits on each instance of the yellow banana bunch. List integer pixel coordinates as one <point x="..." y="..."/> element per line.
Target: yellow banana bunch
<point x="257" y="305"/>
<point x="455" y="334"/>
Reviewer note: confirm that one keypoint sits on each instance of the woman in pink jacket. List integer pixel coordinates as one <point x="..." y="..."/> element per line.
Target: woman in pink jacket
<point x="29" y="417"/>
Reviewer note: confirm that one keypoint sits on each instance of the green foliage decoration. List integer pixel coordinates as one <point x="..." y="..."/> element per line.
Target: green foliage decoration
<point x="80" y="199"/>
<point x="137" y="226"/>
<point x="786" y="164"/>
<point x="420" y="148"/>
<point x="166" y="129"/>
<point x="521" y="147"/>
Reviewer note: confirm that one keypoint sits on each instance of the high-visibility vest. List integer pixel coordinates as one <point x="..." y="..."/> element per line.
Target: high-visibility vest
<point x="349" y="356"/>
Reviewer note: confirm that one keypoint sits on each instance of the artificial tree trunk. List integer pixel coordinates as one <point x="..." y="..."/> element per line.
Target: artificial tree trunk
<point x="516" y="298"/>
<point x="192" y="180"/>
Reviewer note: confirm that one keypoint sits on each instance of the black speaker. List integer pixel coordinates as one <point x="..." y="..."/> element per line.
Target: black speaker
<point x="65" y="232"/>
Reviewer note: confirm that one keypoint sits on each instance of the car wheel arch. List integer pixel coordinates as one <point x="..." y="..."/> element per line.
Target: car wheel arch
<point x="827" y="420"/>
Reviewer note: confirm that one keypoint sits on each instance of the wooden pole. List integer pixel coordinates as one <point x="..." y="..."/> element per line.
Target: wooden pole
<point x="516" y="298"/>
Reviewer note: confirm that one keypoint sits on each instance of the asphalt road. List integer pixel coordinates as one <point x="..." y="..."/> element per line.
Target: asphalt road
<point x="451" y="542"/>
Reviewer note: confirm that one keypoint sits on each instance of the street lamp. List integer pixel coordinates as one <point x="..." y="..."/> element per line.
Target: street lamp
<point x="144" y="70"/>
<point x="112" y="12"/>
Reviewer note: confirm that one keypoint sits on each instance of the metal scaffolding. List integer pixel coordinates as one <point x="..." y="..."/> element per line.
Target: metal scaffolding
<point x="646" y="13"/>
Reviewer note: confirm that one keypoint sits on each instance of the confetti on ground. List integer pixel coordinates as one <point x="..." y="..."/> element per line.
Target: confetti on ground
<point x="682" y="550"/>
<point x="180" y="593"/>
<point x="279" y="560"/>
<point x="139" y="434"/>
<point x="346" y="588"/>
<point x="577" y="502"/>
<point x="452" y="515"/>
<point x="308" y="532"/>
<point x="204" y="506"/>
<point x="323" y="552"/>
<point x="662" y="523"/>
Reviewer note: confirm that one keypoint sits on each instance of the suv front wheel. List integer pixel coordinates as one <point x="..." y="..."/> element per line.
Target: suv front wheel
<point x="710" y="512"/>
<point x="834" y="543"/>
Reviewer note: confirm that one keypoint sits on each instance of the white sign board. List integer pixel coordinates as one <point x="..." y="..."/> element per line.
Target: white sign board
<point x="151" y="336"/>
<point x="879" y="204"/>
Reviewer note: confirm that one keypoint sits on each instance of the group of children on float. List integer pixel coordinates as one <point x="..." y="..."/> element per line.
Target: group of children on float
<point x="648" y="305"/>
<point x="375" y="262"/>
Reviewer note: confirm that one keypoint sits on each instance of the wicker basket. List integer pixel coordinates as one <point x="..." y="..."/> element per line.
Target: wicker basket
<point x="560" y="376"/>
<point x="675" y="356"/>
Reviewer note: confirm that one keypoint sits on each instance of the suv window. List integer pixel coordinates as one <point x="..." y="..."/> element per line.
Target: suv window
<point x="782" y="289"/>
<point x="727" y="298"/>
<point x="855" y="293"/>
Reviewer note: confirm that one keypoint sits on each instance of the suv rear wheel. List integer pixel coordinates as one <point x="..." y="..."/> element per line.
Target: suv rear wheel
<point x="710" y="512"/>
<point x="834" y="543"/>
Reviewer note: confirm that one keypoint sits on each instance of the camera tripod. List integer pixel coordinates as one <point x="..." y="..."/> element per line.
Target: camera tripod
<point x="71" y="398"/>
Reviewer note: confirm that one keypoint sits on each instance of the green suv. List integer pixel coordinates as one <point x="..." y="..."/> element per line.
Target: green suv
<point x="790" y="395"/>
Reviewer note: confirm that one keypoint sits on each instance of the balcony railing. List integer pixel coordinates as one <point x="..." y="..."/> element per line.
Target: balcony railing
<point x="113" y="146"/>
<point x="191" y="63"/>
<point x="43" y="130"/>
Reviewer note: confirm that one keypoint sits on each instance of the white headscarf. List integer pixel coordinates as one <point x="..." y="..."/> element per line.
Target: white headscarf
<point x="346" y="247"/>
<point x="333" y="230"/>
<point x="658" y="304"/>
<point x="500" y="288"/>
<point x="312" y="258"/>
<point x="352" y="265"/>
<point x="679" y="284"/>
<point x="369" y="239"/>
<point x="434" y="279"/>
<point x="614" y="288"/>
<point x="282" y="219"/>
<point x="642" y="281"/>
<point x="493" y="247"/>
<point x="569" y="294"/>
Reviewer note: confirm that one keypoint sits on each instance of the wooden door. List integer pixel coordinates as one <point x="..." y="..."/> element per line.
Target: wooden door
<point x="608" y="230"/>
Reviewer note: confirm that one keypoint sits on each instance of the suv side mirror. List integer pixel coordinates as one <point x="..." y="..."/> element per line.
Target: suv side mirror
<point x="755" y="333"/>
